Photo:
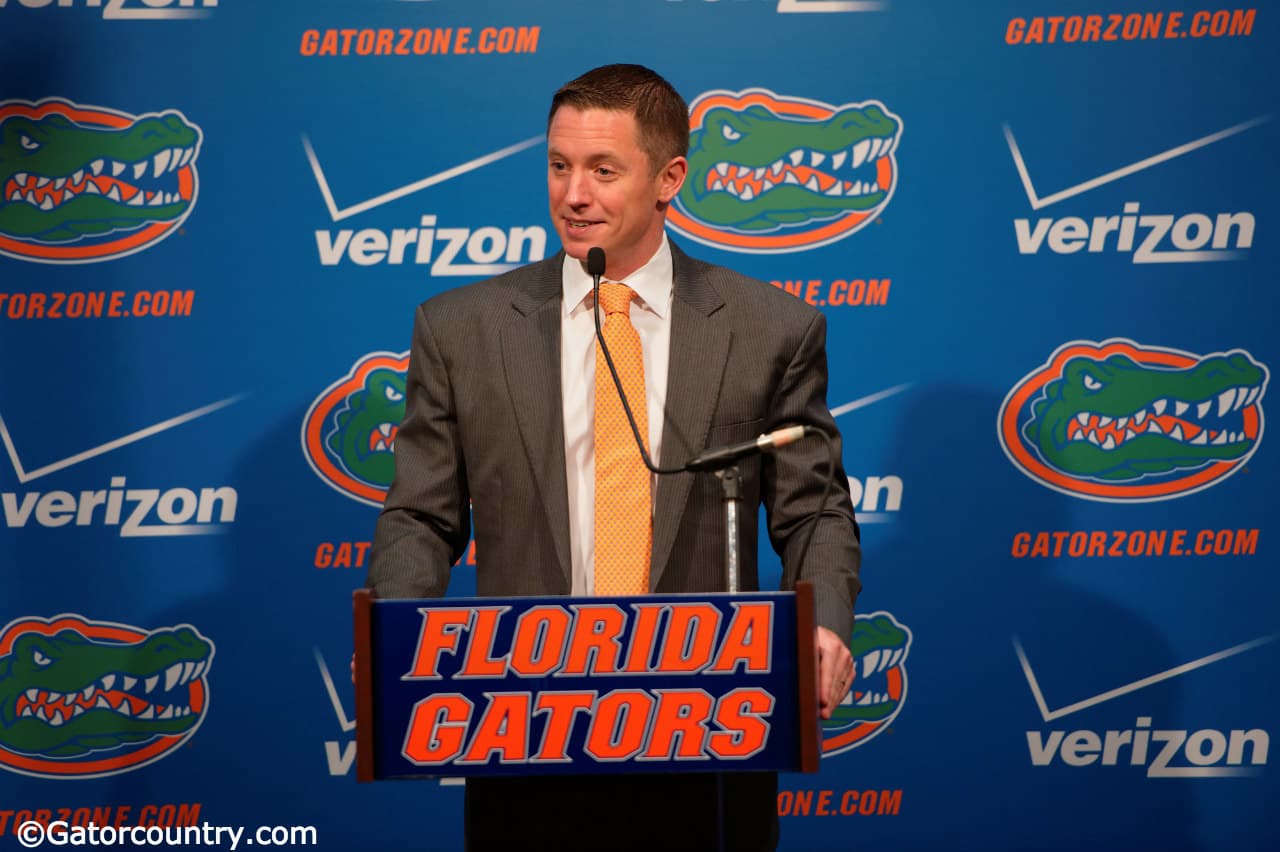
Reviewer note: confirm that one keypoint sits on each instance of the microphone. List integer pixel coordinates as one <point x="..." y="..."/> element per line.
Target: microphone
<point x="723" y="456"/>
<point x="595" y="263"/>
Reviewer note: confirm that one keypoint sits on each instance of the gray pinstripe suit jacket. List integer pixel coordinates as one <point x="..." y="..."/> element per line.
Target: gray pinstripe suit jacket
<point x="483" y="423"/>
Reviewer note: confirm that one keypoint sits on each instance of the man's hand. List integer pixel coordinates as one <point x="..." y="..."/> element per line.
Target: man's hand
<point x="835" y="671"/>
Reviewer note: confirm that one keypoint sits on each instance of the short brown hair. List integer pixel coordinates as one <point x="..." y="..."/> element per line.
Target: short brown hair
<point x="662" y="116"/>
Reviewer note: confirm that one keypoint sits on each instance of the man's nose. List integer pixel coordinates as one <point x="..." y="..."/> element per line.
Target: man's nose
<point x="578" y="192"/>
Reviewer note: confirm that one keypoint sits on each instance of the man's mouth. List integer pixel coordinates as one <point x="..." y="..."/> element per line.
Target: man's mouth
<point x="579" y="224"/>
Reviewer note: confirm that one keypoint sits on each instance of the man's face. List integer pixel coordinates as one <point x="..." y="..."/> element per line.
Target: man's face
<point x="603" y="190"/>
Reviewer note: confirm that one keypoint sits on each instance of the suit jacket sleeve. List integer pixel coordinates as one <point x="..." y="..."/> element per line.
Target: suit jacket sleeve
<point x="791" y="486"/>
<point x="425" y="522"/>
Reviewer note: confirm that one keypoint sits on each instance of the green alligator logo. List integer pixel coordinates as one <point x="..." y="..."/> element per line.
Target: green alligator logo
<point x="880" y="645"/>
<point x="83" y="699"/>
<point x="80" y="184"/>
<point x="349" y="432"/>
<point x="1117" y="421"/>
<point x="769" y="173"/>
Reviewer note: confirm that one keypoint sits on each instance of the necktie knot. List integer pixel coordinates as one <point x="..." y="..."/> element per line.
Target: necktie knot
<point x="616" y="298"/>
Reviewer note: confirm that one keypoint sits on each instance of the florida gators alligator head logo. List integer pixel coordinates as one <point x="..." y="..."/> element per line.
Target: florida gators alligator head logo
<point x="84" y="699"/>
<point x="349" y="432"/>
<point x="1120" y="422"/>
<point x="770" y="174"/>
<point x="80" y="184"/>
<point x="880" y="646"/>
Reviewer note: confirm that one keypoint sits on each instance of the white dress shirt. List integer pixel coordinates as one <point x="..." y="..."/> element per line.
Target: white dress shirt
<point x="651" y="316"/>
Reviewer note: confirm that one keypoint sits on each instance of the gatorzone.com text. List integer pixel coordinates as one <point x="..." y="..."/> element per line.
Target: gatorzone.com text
<point x="1136" y="26"/>
<point x="1094" y="544"/>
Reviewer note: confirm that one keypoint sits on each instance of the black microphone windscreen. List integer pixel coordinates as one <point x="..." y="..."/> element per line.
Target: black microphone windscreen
<point x="595" y="261"/>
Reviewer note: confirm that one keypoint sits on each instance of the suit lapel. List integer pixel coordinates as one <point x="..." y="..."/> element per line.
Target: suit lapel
<point x="531" y="362"/>
<point x="700" y="337"/>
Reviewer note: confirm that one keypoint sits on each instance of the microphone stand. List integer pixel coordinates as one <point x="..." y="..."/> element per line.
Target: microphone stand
<point x="730" y="476"/>
<point x="731" y="483"/>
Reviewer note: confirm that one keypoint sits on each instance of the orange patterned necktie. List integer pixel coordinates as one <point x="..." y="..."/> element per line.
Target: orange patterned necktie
<point x="624" y="521"/>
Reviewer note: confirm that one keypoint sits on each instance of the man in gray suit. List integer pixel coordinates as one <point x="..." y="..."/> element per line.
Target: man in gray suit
<point x="498" y="429"/>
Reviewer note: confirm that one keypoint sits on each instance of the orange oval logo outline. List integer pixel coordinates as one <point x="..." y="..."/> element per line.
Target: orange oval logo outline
<point x="828" y="231"/>
<point x="313" y="424"/>
<point x="861" y="732"/>
<point x="1029" y="464"/>
<point x="131" y="242"/>
<point x="143" y="755"/>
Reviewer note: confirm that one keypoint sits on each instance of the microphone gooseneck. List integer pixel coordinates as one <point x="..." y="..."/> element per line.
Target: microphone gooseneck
<point x="718" y="457"/>
<point x="712" y="459"/>
<point x="595" y="268"/>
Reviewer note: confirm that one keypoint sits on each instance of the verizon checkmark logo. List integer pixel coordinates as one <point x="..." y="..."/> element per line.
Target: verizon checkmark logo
<point x="1142" y="165"/>
<point x="869" y="399"/>
<point x="337" y="214"/>
<point x="829" y="6"/>
<point x="341" y="754"/>
<point x="25" y="476"/>
<point x="1149" y="237"/>
<point x="876" y="499"/>
<point x="1165" y="753"/>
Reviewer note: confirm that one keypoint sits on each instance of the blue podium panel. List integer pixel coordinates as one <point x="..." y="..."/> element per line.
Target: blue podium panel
<point x="528" y="686"/>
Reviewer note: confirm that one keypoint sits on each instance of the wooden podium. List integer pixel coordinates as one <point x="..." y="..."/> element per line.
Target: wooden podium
<point x="559" y="685"/>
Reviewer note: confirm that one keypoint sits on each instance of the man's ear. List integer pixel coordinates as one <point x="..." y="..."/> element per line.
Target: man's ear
<point x="671" y="178"/>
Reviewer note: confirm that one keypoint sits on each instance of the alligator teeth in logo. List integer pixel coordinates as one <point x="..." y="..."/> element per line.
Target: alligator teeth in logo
<point x="80" y="184"/>
<point x="1120" y="422"/>
<point x="880" y="646"/>
<point x="84" y="699"/>
<point x="349" y="432"/>
<point x="771" y="174"/>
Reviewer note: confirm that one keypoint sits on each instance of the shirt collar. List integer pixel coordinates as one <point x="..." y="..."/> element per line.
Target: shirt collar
<point x="651" y="282"/>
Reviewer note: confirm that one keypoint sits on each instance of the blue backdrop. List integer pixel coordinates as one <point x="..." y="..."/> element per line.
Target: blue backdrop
<point x="1041" y="238"/>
